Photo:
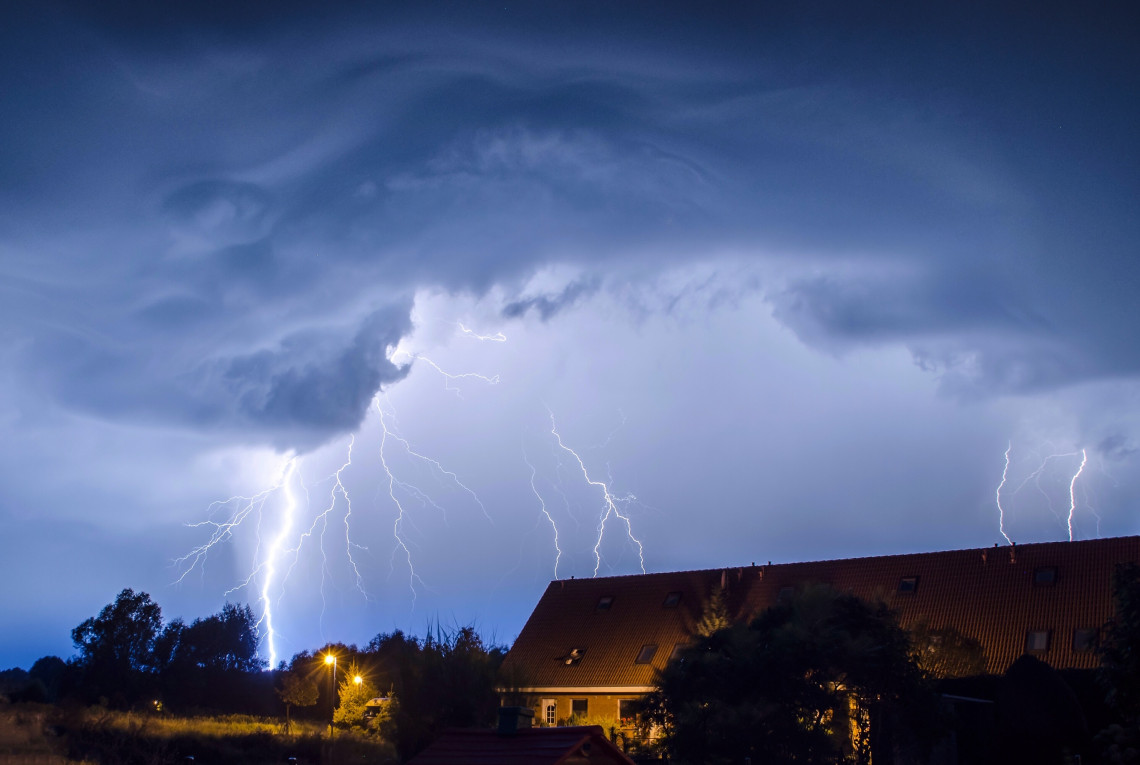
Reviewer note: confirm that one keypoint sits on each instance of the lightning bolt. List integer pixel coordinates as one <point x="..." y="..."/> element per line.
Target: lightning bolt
<point x="398" y="524"/>
<point x="542" y="506"/>
<point x="610" y="507"/>
<point x="498" y="337"/>
<point x="402" y="516"/>
<point x="1072" y="491"/>
<point x="449" y="379"/>
<point x="289" y="509"/>
<point x="1001" y="510"/>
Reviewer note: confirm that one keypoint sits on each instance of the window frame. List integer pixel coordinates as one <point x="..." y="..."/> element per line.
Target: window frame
<point x="908" y="585"/>
<point x="646" y="653"/>
<point x="1045" y="576"/>
<point x="1091" y="642"/>
<point x="1030" y="640"/>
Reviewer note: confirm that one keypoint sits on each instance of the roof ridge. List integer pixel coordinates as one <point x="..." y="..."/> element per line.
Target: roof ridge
<point x="717" y="569"/>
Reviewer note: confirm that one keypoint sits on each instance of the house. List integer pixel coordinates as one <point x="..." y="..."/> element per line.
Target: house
<point x="593" y="646"/>
<point x="516" y="743"/>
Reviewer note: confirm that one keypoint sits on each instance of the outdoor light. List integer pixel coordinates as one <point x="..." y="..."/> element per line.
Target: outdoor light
<point x="330" y="660"/>
<point x="358" y="679"/>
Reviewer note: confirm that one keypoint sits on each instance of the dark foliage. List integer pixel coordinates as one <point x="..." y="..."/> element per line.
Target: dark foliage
<point x="447" y="680"/>
<point x="1039" y="718"/>
<point x="126" y="658"/>
<point x="212" y="663"/>
<point x="1120" y="653"/>
<point x="116" y="658"/>
<point x="789" y="686"/>
<point x="946" y="652"/>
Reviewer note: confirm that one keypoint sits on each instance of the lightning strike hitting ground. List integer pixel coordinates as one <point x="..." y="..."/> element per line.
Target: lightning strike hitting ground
<point x="610" y="507"/>
<point x="266" y="566"/>
<point x="542" y="507"/>
<point x="1001" y="510"/>
<point x="1072" y="491"/>
<point x="289" y="510"/>
<point x="1036" y="477"/>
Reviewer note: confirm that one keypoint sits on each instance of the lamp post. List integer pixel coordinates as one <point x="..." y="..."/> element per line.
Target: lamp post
<point x="331" y="660"/>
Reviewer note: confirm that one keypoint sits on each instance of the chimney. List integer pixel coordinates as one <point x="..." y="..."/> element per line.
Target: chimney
<point x="511" y="719"/>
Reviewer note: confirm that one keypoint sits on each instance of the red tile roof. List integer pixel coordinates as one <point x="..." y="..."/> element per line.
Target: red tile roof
<point x="988" y="594"/>
<point x="527" y="746"/>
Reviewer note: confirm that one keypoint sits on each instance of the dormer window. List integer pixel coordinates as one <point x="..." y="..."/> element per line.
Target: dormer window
<point x="646" y="654"/>
<point x="574" y="657"/>
<point x="1085" y="640"/>
<point x="672" y="600"/>
<point x="605" y="602"/>
<point x="1037" y="641"/>
<point x="1044" y="576"/>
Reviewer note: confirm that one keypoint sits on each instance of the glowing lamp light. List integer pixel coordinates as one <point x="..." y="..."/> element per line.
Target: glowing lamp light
<point x="358" y="679"/>
<point x="329" y="658"/>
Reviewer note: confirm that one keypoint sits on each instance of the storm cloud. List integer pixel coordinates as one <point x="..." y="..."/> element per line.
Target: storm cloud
<point x="775" y="236"/>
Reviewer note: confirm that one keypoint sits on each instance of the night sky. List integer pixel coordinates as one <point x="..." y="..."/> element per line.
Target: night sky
<point x="790" y="278"/>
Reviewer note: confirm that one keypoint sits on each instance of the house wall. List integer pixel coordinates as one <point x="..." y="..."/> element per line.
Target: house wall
<point x="602" y="709"/>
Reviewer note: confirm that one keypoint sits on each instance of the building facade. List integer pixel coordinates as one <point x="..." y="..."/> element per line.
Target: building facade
<point x="593" y="646"/>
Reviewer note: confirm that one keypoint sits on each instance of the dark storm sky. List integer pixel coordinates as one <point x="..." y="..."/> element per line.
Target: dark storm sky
<point x="790" y="277"/>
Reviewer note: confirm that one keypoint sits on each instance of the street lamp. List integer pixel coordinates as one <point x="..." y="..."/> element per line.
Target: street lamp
<point x="331" y="661"/>
<point x="358" y="679"/>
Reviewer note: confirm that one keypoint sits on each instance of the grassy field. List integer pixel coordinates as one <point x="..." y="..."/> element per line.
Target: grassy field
<point x="45" y="735"/>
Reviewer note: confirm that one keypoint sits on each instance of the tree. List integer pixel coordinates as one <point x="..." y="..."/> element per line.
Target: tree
<point x="116" y="648"/>
<point x="354" y="696"/>
<point x="296" y="691"/>
<point x="946" y="652"/>
<point x="714" y="617"/>
<point x="813" y="679"/>
<point x="1120" y="653"/>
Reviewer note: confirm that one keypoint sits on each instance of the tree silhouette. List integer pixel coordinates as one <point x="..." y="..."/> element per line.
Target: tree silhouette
<point x="115" y="658"/>
<point x="946" y="652"/>
<point x="813" y="679"/>
<point x="296" y="691"/>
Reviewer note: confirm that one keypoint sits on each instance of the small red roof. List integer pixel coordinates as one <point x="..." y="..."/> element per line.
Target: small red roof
<point x="527" y="746"/>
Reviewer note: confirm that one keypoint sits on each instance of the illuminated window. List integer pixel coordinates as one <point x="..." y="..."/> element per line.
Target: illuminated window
<point x="1037" y="641"/>
<point x="908" y="584"/>
<point x="1045" y="576"/>
<point x="646" y="654"/>
<point x="672" y="600"/>
<point x="550" y="711"/>
<point x="627" y="711"/>
<point x="1085" y="640"/>
<point x="605" y="602"/>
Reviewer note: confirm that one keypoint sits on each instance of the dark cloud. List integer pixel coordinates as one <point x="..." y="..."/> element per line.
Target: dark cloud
<point x="215" y="218"/>
<point x="550" y="305"/>
<point x="305" y="385"/>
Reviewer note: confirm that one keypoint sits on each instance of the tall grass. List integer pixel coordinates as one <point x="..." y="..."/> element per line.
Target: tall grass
<point x="97" y="736"/>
